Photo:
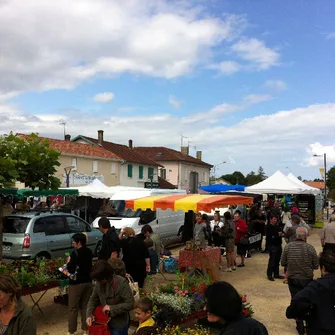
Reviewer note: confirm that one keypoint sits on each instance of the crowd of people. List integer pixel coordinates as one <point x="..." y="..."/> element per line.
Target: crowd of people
<point x="125" y="254"/>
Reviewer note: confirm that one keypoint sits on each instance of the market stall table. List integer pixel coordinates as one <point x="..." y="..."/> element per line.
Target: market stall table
<point x="192" y="258"/>
<point x="43" y="289"/>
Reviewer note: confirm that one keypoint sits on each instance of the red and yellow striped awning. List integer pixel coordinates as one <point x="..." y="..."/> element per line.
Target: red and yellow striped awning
<point x="188" y="202"/>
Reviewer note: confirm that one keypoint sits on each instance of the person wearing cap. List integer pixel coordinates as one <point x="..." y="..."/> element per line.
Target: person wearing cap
<point x="224" y="309"/>
<point x="110" y="246"/>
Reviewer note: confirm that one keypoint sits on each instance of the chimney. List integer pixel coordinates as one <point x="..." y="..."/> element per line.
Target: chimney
<point x="100" y="137"/>
<point x="130" y="145"/>
<point x="185" y="150"/>
<point x="199" y="155"/>
<point x="68" y="138"/>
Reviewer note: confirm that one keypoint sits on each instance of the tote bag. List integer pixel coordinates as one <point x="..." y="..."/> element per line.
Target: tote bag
<point x="134" y="288"/>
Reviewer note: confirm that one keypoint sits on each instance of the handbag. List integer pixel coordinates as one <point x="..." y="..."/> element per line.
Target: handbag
<point x="100" y="319"/>
<point x="134" y="288"/>
<point x="100" y="323"/>
<point x="244" y="240"/>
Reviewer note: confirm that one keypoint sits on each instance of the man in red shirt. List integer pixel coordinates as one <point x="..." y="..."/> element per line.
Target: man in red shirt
<point x="241" y="231"/>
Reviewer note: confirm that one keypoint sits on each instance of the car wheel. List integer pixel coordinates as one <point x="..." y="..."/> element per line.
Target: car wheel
<point x="97" y="249"/>
<point x="42" y="255"/>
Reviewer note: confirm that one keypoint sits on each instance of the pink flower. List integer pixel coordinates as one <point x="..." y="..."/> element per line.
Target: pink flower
<point x="186" y="292"/>
<point x="176" y="287"/>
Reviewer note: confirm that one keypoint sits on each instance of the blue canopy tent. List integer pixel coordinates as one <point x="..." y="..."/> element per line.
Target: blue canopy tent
<point x="220" y="188"/>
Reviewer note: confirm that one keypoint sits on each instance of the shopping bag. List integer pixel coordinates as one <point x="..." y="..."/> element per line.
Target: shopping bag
<point x="134" y="288"/>
<point x="100" y="323"/>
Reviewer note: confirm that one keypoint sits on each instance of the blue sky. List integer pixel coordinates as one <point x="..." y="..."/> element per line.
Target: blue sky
<point x="249" y="82"/>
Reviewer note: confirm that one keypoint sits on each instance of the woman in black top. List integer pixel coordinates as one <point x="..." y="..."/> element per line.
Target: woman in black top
<point x="135" y="255"/>
<point x="80" y="290"/>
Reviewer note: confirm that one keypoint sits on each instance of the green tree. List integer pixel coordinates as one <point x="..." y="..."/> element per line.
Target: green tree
<point x="300" y="178"/>
<point x="234" y="178"/>
<point x="252" y="178"/>
<point x="261" y="174"/>
<point x="29" y="160"/>
<point x="331" y="179"/>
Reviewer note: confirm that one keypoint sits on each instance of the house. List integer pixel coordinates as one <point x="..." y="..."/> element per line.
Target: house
<point x="178" y="167"/>
<point x="84" y="163"/>
<point x="136" y="169"/>
<point x="317" y="184"/>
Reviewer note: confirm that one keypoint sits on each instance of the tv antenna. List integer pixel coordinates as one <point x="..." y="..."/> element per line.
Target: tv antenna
<point x="182" y="140"/>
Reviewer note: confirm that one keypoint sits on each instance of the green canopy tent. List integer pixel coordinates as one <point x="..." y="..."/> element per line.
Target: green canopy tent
<point x="46" y="193"/>
<point x="8" y="191"/>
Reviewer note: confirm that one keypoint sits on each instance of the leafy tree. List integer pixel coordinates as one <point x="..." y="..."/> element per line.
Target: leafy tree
<point x="261" y="174"/>
<point x="252" y="178"/>
<point x="300" y="178"/>
<point x="317" y="179"/>
<point x="29" y="160"/>
<point x="236" y="177"/>
<point x="331" y="179"/>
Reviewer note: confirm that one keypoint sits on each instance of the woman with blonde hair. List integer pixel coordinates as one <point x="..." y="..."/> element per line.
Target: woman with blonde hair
<point x="15" y="317"/>
<point x="135" y="255"/>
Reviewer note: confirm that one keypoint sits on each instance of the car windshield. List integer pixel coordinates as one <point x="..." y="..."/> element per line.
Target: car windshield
<point x="118" y="209"/>
<point x="15" y="225"/>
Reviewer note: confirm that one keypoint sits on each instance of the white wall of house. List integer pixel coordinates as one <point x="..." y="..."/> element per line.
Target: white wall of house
<point x="135" y="179"/>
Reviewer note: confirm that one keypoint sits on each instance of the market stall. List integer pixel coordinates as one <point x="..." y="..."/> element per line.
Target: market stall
<point x="207" y="259"/>
<point x="279" y="184"/>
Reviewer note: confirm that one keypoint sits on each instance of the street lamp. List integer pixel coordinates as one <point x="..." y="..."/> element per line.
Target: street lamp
<point x="214" y="168"/>
<point x="68" y="170"/>
<point x="325" y="178"/>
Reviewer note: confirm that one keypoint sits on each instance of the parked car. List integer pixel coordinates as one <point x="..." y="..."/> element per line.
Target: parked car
<point x="39" y="235"/>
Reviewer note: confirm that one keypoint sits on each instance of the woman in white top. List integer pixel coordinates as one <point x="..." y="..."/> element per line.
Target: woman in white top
<point x="328" y="235"/>
<point x="216" y="222"/>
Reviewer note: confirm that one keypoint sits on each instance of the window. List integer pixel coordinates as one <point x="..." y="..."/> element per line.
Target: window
<point x="162" y="173"/>
<point x="95" y="166"/>
<point x="150" y="173"/>
<point x="114" y="167"/>
<point x="52" y="225"/>
<point x="76" y="225"/>
<point x="140" y="172"/>
<point x="74" y="163"/>
<point x="147" y="216"/>
<point x="15" y="225"/>
<point x="130" y="171"/>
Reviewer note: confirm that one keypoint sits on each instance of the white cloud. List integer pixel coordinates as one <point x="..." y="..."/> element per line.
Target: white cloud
<point x="57" y="45"/>
<point x="257" y="98"/>
<point x="174" y="102"/>
<point x="255" y="52"/>
<point x="227" y="67"/>
<point x="274" y="141"/>
<point x="316" y="151"/>
<point x="330" y="36"/>
<point x="104" y="97"/>
<point x="277" y="85"/>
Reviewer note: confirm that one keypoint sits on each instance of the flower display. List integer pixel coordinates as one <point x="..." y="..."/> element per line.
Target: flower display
<point x="187" y="331"/>
<point x="247" y="309"/>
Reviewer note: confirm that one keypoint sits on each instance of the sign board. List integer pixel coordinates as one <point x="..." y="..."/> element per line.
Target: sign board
<point x="150" y="184"/>
<point x="77" y="179"/>
<point x="322" y="172"/>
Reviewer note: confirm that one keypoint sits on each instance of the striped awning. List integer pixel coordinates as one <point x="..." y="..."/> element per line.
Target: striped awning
<point x="188" y="202"/>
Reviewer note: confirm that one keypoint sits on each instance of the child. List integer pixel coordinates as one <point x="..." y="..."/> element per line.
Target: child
<point x="143" y="310"/>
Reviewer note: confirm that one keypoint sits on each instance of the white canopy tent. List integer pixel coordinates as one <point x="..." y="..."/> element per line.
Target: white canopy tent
<point x="96" y="189"/>
<point x="307" y="188"/>
<point x="278" y="183"/>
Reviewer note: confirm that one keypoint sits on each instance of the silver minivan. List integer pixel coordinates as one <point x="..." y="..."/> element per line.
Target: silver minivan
<point x="44" y="235"/>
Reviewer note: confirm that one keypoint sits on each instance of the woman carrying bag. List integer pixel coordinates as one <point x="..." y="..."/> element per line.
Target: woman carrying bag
<point x="113" y="295"/>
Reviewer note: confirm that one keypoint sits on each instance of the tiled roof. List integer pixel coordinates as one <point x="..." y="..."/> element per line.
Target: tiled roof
<point x="165" y="184"/>
<point x="316" y="184"/>
<point x="123" y="151"/>
<point x="161" y="154"/>
<point x="74" y="148"/>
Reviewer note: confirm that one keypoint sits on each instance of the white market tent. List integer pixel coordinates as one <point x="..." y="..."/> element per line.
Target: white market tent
<point x="278" y="183"/>
<point x="312" y="190"/>
<point x="96" y="189"/>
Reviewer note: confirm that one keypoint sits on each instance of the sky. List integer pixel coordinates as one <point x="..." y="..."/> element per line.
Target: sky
<point x="248" y="82"/>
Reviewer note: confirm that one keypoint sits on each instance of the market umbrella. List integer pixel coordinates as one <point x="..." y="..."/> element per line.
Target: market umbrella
<point x="188" y="202"/>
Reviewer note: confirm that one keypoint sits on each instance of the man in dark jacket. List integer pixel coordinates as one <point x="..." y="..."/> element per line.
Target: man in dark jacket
<point x="224" y="309"/>
<point x="110" y="246"/>
<point x="316" y="302"/>
<point x="274" y="244"/>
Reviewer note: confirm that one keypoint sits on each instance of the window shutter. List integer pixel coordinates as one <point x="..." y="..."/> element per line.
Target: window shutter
<point x="130" y="171"/>
<point x="150" y="172"/>
<point x="95" y="166"/>
<point x="140" y="172"/>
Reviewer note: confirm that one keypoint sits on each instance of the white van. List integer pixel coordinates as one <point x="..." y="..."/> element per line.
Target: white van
<point x="166" y="223"/>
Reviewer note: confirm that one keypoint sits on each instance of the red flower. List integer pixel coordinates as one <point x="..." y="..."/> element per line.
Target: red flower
<point x="245" y="312"/>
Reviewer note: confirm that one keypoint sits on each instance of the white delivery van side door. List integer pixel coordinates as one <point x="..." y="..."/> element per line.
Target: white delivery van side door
<point x="169" y="222"/>
<point x="149" y="217"/>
